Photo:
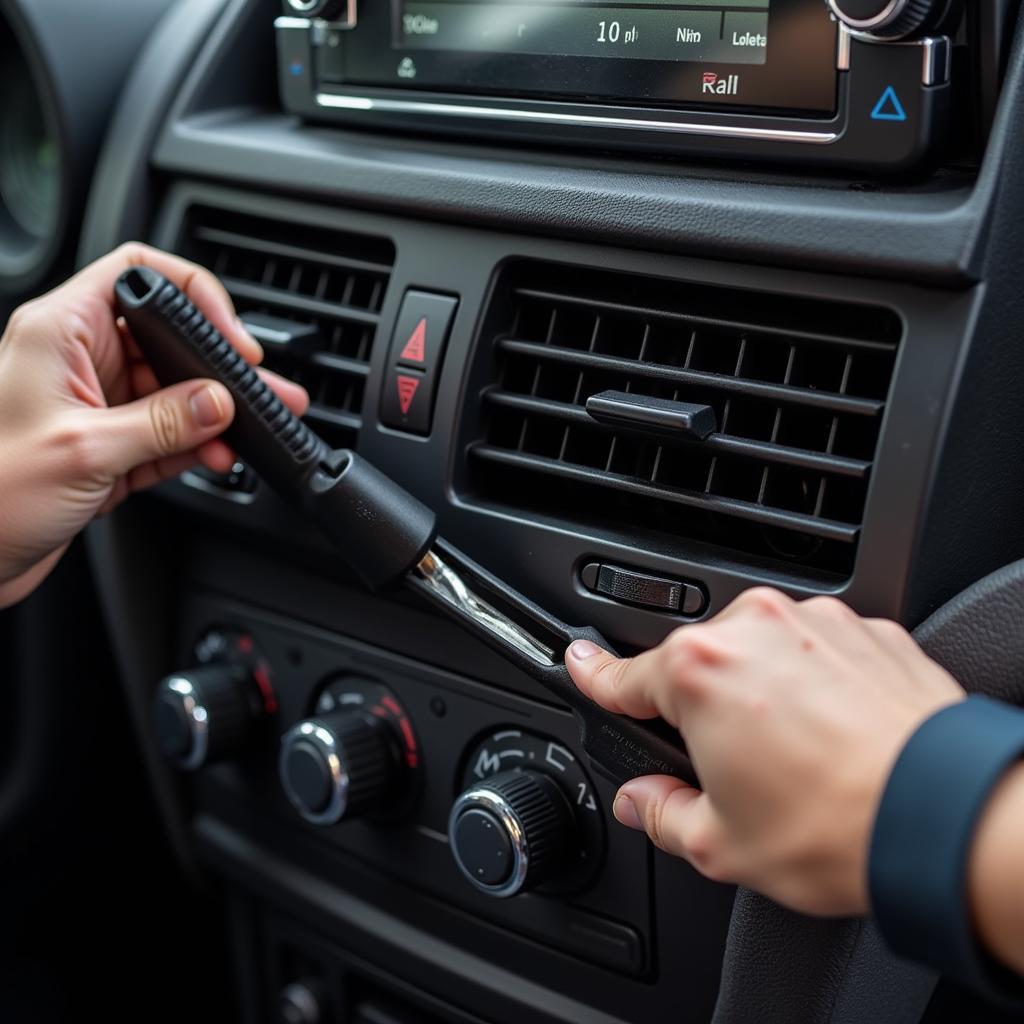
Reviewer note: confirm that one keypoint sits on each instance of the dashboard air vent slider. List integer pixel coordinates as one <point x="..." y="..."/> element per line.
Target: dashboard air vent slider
<point x="652" y="415"/>
<point x="280" y="335"/>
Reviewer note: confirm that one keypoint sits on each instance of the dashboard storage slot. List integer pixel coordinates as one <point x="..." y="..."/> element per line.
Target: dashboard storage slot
<point x="313" y="297"/>
<point x="791" y="392"/>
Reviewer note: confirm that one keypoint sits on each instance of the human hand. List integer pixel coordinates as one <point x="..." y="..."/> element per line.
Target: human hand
<point x="83" y="421"/>
<point x="794" y="715"/>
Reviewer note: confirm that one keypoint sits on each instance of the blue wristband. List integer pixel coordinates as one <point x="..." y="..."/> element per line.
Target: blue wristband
<point x="917" y="868"/>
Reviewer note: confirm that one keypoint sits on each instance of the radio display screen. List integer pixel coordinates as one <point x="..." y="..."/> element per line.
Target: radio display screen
<point x="628" y="32"/>
<point x="772" y="54"/>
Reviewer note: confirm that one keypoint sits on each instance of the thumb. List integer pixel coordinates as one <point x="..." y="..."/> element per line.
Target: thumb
<point x="626" y="686"/>
<point x="586" y="662"/>
<point x="170" y="421"/>
<point x="677" y="818"/>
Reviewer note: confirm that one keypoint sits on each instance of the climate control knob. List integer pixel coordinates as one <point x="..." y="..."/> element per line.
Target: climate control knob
<point x="340" y="766"/>
<point x="511" y="832"/>
<point x="206" y="714"/>
<point x="890" y="19"/>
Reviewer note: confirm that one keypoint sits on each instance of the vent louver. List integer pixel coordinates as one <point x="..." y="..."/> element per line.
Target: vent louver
<point x="798" y="387"/>
<point x="308" y="276"/>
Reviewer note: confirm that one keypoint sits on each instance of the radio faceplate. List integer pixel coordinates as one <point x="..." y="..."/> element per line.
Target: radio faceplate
<point x="769" y="54"/>
<point x="764" y="79"/>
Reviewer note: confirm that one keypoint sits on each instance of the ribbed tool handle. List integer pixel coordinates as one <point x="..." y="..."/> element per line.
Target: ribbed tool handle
<point x="181" y="344"/>
<point x="380" y="529"/>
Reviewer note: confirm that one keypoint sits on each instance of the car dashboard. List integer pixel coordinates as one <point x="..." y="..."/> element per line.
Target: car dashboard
<point x="491" y="307"/>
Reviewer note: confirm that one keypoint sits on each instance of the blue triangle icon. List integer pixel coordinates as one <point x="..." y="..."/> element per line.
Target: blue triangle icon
<point x="888" y="107"/>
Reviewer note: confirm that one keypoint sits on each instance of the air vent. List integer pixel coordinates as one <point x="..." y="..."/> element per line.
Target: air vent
<point x="798" y="387"/>
<point x="299" y="277"/>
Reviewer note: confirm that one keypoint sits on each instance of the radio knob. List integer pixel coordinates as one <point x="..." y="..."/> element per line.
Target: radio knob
<point x="511" y="832"/>
<point x="341" y="12"/>
<point x="339" y="766"/>
<point x="205" y="714"/>
<point x="890" y="19"/>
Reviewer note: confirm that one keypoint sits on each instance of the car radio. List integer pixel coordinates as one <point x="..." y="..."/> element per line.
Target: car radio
<point x="864" y="84"/>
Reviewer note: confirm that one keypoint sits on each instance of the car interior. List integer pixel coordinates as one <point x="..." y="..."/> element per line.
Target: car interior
<point x="608" y="310"/>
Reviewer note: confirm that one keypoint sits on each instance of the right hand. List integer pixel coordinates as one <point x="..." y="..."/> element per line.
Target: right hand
<point x="794" y="715"/>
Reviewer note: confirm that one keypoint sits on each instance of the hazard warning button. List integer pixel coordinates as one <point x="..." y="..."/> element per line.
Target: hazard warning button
<point x="414" y="363"/>
<point x="406" y="401"/>
<point x="407" y="388"/>
<point x="422" y="330"/>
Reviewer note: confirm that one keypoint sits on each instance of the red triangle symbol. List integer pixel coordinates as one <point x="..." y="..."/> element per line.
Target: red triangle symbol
<point x="415" y="347"/>
<point x="407" y="387"/>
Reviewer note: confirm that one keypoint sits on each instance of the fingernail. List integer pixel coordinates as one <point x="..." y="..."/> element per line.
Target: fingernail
<point x="583" y="649"/>
<point x="205" y="407"/>
<point x="625" y="813"/>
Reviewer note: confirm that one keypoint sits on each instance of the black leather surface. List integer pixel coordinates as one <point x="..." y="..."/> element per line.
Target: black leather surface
<point x="787" y="968"/>
<point x="979" y="635"/>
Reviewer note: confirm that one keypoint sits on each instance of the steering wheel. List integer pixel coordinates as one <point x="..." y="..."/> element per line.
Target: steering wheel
<point x="781" y="967"/>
